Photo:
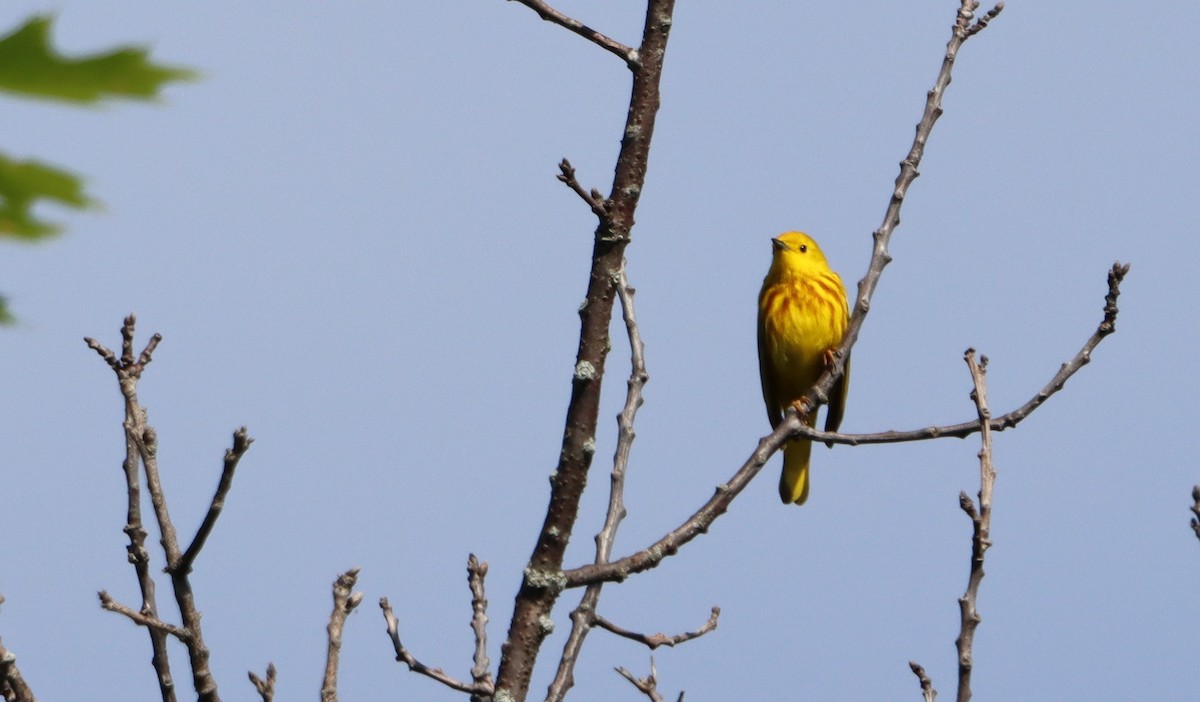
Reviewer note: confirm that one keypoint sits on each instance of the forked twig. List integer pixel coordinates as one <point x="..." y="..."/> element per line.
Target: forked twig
<point x="404" y="656"/>
<point x="265" y="688"/>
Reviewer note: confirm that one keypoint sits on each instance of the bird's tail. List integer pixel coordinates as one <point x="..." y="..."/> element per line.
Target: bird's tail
<point x="793" y="483"/>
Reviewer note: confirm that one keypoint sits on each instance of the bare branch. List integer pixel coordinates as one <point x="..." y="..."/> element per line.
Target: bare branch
<point x="142" y="619"/>
<point x="140" y="439"/>
<point x="141" y="446"/>
<point x="927" y="690"/>
<point x="963" y="29"/>
<point x="403" y="655"/>
<point x="982" y="23"/>
<point x="542" y="584"/>
<point x="549" y="14"/>
<point x="265" y="688"/>
<point x="476" y="572"/>
<point x="656" y="640"/>
<point x="582" y="618"/>
<point x="344" y="602"/>
<point x="241" y="443"/>
<point x="593" y="198"/>
<point x="700" y="520"/>
<point x="981" y="522"/>
<point x="647" y="685"/>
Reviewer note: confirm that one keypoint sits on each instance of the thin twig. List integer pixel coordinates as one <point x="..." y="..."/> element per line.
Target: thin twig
<point x="629" y="55"/>
<point x="1196" y="510"/>
<point x="241" y="443"/>
<point x="927" y="690"/>
<point x="660" y="639"/>
<point x="584" y="615"/>
<point x="981" y="524"/>
<point x="481" y="671"/>
<point x="647" y="685"/>
<point x="142" y="619"/>
<point x="344" y="602"/>
<point x="702" y="519"/>
<point x="593" y="197"/>
<point x="265" y="688"/>
<point x="403" y="655"/>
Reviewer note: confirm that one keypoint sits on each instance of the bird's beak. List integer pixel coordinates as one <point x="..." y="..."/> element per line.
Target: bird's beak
<point x="779" y="245"/>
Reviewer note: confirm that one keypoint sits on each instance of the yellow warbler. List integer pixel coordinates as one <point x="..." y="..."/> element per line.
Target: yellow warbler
<point x="802" y="316"/>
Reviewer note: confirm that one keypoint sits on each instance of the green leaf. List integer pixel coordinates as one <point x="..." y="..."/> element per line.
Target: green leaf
<point x="22" y="184"/>
<point x="29" y="65"/>
<point x="6" y="317"/>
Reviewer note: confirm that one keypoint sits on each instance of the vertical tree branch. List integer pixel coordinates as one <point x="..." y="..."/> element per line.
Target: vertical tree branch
<point x="543" y="581"/>
<point x="138" y="436"/>
<point x="265" y="688"/>
<point x="481" y="671"/>
<point x="584" y="615"/>
<point x="1196" y="510"/>
<point x="927" y="691"/>
<point x="344" y="602"/>
<point x="142" y="446"/>
<point x="981" y="521"/>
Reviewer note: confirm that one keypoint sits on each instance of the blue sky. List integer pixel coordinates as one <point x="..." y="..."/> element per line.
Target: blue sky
<point x="350" y="235"/>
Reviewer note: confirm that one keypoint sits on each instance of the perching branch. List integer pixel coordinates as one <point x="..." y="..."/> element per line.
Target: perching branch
<point x="699" y="522"/>
<point x="265" y="688"/>
<point x="344" y="602"/>
<point x="542" y="583"/>
<point x="927" y="690"/>
<point x="963" y="29"/>
<point x="404" y="656"/>
<point x="656" y="640"/>
<point x="551" y="15"/>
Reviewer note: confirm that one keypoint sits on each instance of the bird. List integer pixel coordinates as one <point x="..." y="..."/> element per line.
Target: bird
<point x="802" y="316"/>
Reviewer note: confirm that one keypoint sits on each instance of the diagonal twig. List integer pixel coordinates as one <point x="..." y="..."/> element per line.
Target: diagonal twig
<point x="142" y="619"/>
<point x="629" y="55"/>
<point x="927" y="690"/>
<point x="660" y="639"/>
<point x="404" y="656"/>
<point x="593" y="197"/>
<point x="241" y="443"/>
<point x="981" y="525"/>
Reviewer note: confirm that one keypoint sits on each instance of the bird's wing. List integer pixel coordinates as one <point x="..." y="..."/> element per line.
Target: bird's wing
<point x="766" y="373"/>
<point x="837" y="399"/>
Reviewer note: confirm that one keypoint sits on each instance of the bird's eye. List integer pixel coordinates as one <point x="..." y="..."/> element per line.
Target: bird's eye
<point x="803" y="248"/>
